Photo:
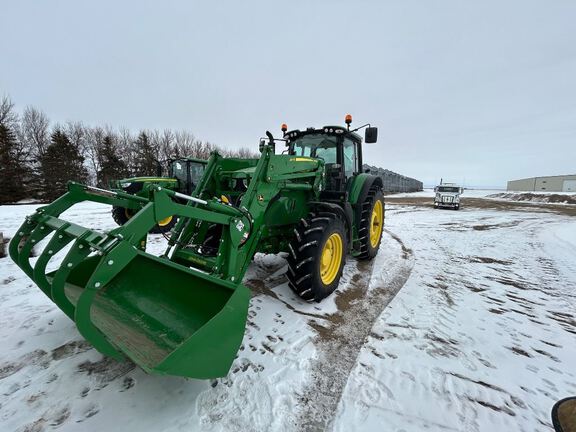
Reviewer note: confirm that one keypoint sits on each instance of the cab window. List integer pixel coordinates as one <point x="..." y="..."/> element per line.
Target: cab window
<point x="179" y="171"/>
<point x="328" y="154"/>
<point x="196" y="172"/>
<point x="316" y="146"/>
<point x="350" y="158"/>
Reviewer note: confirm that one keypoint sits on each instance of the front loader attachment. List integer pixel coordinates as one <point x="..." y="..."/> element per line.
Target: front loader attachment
<point x="166" y="317"/>
<point x="184" y="312"/>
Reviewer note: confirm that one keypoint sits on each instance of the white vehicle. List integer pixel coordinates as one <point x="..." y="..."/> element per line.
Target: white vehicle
<point x="447" y="195"/>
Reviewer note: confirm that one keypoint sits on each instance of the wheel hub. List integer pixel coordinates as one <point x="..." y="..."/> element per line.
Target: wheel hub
<point x="330" y="258"/>
<point x="376" y="223"/>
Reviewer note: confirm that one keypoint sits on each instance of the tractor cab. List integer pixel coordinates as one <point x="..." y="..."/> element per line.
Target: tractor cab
<point x="187" y="171"/>
<point x="339" y="147"/>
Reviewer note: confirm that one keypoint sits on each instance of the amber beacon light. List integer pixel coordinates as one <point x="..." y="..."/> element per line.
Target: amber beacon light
<point x="348" y="120"/>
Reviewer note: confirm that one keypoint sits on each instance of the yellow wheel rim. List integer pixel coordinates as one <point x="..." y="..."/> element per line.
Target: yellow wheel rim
<point x="331" y="258"/>
<point x="128" y="213"/>
<point x="166" y="221"/>
<point x="376" y="223"/>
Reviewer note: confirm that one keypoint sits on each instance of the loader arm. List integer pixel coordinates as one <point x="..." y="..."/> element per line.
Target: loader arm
<point x="272" y="176"/>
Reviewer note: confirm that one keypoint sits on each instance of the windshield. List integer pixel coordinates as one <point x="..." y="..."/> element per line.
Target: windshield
<point x="316" y="146"/>
<point x="455" y="189"/>
<point x="196" y="172"/>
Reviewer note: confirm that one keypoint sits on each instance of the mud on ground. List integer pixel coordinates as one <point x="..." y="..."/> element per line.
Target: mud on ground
<point x="488" y="204"/>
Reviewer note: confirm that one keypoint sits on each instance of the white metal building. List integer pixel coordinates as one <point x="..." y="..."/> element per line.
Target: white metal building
<point x="562" y="183"/>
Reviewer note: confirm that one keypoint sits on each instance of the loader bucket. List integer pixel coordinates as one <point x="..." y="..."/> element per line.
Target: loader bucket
<point x="165" y="318"/>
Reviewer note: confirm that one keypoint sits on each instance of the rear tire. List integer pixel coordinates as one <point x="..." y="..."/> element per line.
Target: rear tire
<point x="371" y="224"/>
<point x="316" y="256"/>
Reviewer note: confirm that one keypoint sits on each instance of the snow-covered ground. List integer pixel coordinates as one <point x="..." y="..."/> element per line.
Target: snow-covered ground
<point x="537" y="197"/>
<point x="464" y="321"/>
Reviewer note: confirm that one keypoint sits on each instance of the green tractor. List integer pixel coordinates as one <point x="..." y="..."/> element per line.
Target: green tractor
<point x="183" y="176"/>
<point x="184" y="312"/>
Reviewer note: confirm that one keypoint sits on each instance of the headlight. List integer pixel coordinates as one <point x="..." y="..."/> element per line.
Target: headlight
<point x="126" y="185"/>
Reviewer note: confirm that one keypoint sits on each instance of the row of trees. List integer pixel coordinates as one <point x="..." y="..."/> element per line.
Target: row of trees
<point x="37" y="159"/>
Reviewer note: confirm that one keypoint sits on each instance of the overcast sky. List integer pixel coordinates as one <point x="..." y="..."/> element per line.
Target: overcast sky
<point x="474" y="91"/>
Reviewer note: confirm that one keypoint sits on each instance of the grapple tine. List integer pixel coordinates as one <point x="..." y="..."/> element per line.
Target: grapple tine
<point x="19" y="238"/>
<point x="40" y="232"/>
<point x="107" y="268"/>
<point x="75" y="256"/>
<point x="58" y="241"/>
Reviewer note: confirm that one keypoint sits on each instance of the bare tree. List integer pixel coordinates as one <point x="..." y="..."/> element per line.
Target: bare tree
<point x="7" y="115"/>
<point x="9" y="119"/>
<point x="34" y="131"/>
<point x="93" y="142"/>
<point x="165" y="143"/>
<point x="76" y="132"/>
<point x="126" y="148"/>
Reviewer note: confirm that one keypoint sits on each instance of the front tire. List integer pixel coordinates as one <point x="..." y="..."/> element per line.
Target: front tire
<point x="121" y="215"/>
<point x="165" y="225"/>
<point x="317" y="255"/>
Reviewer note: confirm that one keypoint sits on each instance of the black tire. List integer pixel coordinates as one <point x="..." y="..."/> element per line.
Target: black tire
<point x="305" y="255"/>
<point x="161" y="229"/>
<point x="121" y="215"/>
<point x="211" y="241"/>
<point x="367" y="249"/>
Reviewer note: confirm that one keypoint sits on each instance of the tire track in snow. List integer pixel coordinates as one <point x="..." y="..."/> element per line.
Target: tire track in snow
<point x="341" y="335"/>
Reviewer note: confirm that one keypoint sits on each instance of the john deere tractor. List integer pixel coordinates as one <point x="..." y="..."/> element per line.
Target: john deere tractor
<point x="184" y="312"/>
<point x="183" y="176"/>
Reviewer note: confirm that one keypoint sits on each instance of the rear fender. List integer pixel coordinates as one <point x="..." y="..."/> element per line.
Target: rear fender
<point x="358" y="192"/>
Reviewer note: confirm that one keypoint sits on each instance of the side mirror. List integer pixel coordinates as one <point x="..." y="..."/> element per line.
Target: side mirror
<point x="371" y="135"/>
<point x="461" y="191"/>
<point x="564" y="415"/>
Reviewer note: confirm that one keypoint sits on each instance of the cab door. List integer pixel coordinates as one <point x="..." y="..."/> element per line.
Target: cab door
<point x="350" y="158"/>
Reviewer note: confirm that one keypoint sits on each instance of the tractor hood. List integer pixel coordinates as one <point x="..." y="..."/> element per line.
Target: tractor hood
<point x="135" y="184"/>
